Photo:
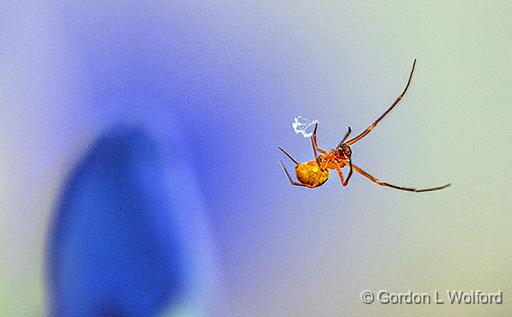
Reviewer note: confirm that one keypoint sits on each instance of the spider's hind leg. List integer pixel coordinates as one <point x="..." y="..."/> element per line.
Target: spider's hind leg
<point x="385" y="184"/>
<point x="289" y="156"/>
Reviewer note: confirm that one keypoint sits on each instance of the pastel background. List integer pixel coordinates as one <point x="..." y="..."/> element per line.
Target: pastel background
<point x="218" y="85"/>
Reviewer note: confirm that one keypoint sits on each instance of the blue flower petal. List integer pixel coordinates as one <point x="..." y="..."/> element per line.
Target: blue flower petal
<point x="114" y="247"/>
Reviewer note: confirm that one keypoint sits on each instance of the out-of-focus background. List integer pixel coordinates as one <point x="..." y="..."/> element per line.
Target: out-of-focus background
<point x="220" y="84"/>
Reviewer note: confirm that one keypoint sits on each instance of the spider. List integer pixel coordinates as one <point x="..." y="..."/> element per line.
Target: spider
<point x="316" y="172"/>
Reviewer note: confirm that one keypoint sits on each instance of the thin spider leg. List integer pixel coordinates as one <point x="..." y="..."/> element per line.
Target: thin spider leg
<point x="342" y="179"/>
<point x="346" y="135"/>
<point x="374" y="124"/>
<point x="325" y="162"/>
<point x="314" y="153"/>
<point x="292" y="181"/>
<point x="379" y="182"/>
<point x="350" y="170"/>
<point x="289" y="156"/>
<point x="315" y="143"/>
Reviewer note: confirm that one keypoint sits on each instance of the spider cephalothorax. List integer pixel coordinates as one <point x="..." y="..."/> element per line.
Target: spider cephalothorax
<point x="344" y="151"/>
<point x="315" y="173"/>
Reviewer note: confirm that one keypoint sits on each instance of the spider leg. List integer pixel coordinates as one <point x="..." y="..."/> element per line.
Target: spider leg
<point x="381" y="183"/>
<point x="344" y="181"/>
<point x="289" y="156"/>
<point x="315" y="143"/>
<point x="346" y="135"/>
<point x="350" y="170"/>
<point x="374" y="124"/>
<point x="314" y="153"/>
<point x="292" y="181"/>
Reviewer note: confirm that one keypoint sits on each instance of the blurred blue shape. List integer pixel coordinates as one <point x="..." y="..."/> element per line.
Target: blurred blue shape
<point x="114" y="247"/>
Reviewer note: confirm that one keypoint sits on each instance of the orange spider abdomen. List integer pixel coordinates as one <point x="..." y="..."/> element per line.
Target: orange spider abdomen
<point x="309" y="172"/>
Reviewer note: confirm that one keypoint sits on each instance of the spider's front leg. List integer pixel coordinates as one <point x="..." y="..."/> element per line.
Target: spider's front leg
<point x="344" y="181"/>
<point x="376" y="122"/>
<point x="346" y="135"/>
